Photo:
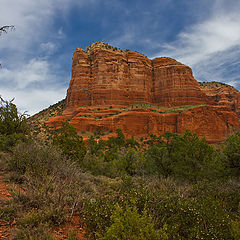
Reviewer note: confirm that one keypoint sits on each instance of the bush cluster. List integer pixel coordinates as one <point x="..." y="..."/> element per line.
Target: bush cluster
<point x="164" y="187"/>
<point x="13" y="125"/>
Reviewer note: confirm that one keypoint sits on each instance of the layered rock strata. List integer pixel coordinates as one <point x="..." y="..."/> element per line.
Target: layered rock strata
<point x="212" y="122"/>
<point x="222" y="94"/>
<point x="111" y="89"/>
<point x="102" y="76"/>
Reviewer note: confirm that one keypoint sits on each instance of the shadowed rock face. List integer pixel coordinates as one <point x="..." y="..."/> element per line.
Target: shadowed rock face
<point x="106" y="81"/>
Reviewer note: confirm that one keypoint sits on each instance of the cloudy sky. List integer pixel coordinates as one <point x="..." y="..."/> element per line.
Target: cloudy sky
<point x="36" y="56"/>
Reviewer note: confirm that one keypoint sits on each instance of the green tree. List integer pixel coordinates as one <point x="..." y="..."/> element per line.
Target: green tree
<point x="158" y="161"/>
<point x="70" y="142"/>
<point x="10" y="120"/>
<point x="127" y="223"/>
<point x="187" y="156"/>
<point x="13" y="125"/>
<point x="113" y="144"/>
<point x="96" y="147"/>
<point x="231" y="150"/>
<point x="192" y="157"/>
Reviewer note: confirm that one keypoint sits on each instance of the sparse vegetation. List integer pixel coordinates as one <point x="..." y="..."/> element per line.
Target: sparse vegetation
<point x="213" y="84"/>
<point x="163" y="187"/>
<point x="13" y="125"/>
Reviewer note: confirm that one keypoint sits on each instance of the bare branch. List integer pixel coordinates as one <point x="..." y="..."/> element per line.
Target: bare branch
<point x="4" y="29"/>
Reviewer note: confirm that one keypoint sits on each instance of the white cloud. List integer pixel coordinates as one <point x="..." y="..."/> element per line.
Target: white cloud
<point x="34" y="86"/>
<point x="35" y="71"/>
<point x="34" y="100"/>
<point x="27" y="73"/>
<point x="48" y="48"/>
<point x="201" y="40"/>
<point x="211" y="46"/>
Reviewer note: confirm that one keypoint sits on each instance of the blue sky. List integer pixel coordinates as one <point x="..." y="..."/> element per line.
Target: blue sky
<point x="36" y="57"/>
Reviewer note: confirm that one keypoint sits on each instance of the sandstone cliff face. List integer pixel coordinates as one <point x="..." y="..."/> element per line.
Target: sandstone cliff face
<point x="111" y="89"/>
<point x="101" y="76"/>
<point x="212" y="122"/>
<point x="222" y="94"/>
<point x="174" y="84"/>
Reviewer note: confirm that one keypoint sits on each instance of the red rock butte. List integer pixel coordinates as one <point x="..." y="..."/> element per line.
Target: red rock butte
<point x="111" y="88"/>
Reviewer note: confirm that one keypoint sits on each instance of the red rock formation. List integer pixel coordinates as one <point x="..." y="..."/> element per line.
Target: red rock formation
<point x="111" y="89"/>
<point x="174" y="84"/>
<point x="213" y="122"/>
<point x="222" y="94"/>
<point x="101" y="76"/>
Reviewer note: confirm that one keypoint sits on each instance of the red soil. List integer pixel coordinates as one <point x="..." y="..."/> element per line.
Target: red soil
<point x="60" y="233"/>
<point x="5" y="227"/>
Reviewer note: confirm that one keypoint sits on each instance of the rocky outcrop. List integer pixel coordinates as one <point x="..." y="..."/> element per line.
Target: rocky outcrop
<point x="106" y="76"/>
<point x="212" y="122"/>
<point x="101" y="76"/>
<point x="111" y="89"/>
<point x="174" y="84"/>
<point x="222" y="94"/>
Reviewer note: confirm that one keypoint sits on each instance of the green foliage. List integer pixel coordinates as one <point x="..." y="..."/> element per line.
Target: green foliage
<point x="158" y="161"/>
<point x="41" y="232"/>
<point x="72" y="236"/>
<point x="235" y="228"/>
<point x="127" y="223"/>
<point x="94" y="164"/>
<point x="231" y="150"/>
<point x="34" y="158"/>
<point x="10" y="120"/>
<point x="37" y="217"/>
<point x="165" y="188"/>
<point x="8" y="141"/>
<point x="8" y="212"/>
<point x="114" y="143"/>
<point x="97" y="214"/>
<point x="98" y="211"/>
<point x="96" y="147"/>
<point x="70" y="142"/>
<point x="193" y="157"/>
<point x="199" y="218"/>
<point x="187" y="157"/>
<point x="13" y="126"/>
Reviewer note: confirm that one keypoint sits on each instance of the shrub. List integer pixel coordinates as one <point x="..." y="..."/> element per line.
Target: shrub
<point x="42" y="232"/>
<point x="158" y="161"/>
<point x="94" y="164"/>
<point x="194" y="218"/>
<point x="235" y="228"/>
<point x="8" y="141"/>
<point x="10" y="120"/>
<point x="97" y="213"/>
<point x="231" y="150"/>
<point x="70" y="142"/>
<point x="34" y="158"/>
<point x="13" y="125"/>
<point x="191" y="157"/>
<point x="127" y="223"/>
